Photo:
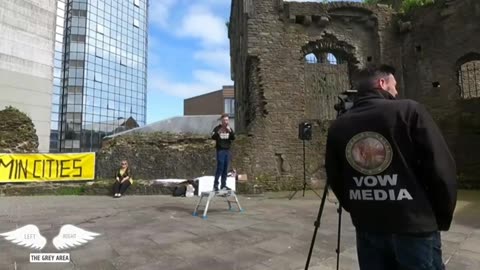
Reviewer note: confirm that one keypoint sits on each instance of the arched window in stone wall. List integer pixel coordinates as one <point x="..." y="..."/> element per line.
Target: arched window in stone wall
<point x="469" y="79"/>
<point x="329" y="58"/>
<point x="311" y="58"/>
<point x="324" y="57"/>
<point x="332" y="59"/>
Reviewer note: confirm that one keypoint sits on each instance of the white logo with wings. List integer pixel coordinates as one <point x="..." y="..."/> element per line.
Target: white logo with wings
<point x="27" y="236"/>
<point x="68" y="237"/>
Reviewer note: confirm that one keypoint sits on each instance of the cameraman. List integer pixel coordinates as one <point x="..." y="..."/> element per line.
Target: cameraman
<point x="390" y="168"/>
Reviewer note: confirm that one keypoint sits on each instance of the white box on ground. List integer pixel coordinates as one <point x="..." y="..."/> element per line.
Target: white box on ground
<point x="205" y="183"/>
<point x="173" y="180"/>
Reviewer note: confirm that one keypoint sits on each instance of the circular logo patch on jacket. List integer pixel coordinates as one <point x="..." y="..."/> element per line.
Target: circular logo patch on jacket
<point x="369" y="153"/>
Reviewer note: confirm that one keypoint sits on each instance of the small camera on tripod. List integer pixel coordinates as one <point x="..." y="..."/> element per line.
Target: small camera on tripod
<point x="346" y="102"/>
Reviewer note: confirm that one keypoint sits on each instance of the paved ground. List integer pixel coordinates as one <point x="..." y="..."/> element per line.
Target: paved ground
<point x="159" y="232"/>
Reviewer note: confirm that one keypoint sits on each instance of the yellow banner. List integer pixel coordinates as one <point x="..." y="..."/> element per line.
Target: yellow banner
<point x="46" y="167"/>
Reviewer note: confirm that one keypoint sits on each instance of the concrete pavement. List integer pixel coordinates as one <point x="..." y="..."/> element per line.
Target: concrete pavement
<point x="159" y="232"/>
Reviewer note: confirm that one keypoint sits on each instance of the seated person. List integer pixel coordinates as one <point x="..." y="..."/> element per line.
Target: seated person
<point x="123" y="180"/>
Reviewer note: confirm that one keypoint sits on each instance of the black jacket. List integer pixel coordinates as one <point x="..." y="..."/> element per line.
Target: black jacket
<point x="223" y="138"/>
<point x="389" y="166"/>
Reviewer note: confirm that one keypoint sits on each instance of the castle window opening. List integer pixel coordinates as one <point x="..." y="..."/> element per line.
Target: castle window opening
<point x="311" y="58"/>
<point x="331" y="59"/>
<point x="469" y="79"/>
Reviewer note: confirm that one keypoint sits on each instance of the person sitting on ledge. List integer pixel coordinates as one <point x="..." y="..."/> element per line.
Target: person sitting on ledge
<point x="123" y="180"/>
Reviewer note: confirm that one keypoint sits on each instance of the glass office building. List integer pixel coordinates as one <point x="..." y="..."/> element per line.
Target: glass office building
<point x="100" y="76"/>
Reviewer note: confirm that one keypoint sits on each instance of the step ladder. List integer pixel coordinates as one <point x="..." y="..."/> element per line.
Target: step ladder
<point x="229" y="195"/>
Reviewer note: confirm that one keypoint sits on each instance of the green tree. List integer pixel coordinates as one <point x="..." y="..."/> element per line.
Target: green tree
<point x="408" y="5"/>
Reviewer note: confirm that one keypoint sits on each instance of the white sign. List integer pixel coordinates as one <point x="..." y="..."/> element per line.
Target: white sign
<point x="69" y="236"/>
<point x="72" y="236"/>
<point x="205" y="183"/>
<point x="49" y="257"/>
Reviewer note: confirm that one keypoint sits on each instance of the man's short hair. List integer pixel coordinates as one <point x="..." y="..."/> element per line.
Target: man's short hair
<point x="223" y="116"/>
<point x="368" y="76"/>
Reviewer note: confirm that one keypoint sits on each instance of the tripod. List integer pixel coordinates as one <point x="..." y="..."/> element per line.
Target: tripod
<point x="304" y="178"/>
<point x="340" y="109"/>
<point x="317" y="225"/>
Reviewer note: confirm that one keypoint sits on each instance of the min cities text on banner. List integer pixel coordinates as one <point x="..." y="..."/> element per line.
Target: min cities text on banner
<point x="46" y="167"/>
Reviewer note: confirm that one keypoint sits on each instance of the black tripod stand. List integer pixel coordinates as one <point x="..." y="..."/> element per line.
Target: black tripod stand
<point x="341" y="107"/>
<point x="304" y="178"/>
<point x="317" y="225"/>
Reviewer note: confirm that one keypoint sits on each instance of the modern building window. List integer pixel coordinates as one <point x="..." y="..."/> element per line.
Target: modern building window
<point x="230" y="106"/>
<point x="100" y="71"/>
<point x="98" y="53"/>
<point x="100" y="28"/>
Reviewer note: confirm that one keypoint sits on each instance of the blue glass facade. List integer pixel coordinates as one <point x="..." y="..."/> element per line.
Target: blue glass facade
<point x="103" y="79"/>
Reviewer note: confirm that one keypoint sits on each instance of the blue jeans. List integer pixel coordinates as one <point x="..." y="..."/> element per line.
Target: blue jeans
<point x="223" y="160"/>
<point x="377" y="251"/>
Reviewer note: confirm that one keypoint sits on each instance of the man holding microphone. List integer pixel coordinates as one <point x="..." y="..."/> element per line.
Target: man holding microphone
<point x="223" y="135"/>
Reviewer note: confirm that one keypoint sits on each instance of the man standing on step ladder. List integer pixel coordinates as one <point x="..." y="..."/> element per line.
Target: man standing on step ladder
<point x="223" y="135"/>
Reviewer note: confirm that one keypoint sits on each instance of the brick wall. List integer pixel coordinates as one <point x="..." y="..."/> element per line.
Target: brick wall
<point x="208" y="104"/>
<point x="442" y="38"/>
<point x="276" y="90"/>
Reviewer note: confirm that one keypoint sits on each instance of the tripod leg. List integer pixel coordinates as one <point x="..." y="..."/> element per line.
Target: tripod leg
<point x="314" y="191"/>
<point x="293" y="194"/>
<point x="338" y="233"/>
<point x="304" y="187"/>
<point x="304" y="170"/>
<point x="317" y="224"/>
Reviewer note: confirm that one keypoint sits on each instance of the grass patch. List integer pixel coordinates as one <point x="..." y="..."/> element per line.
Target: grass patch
<point x="70" y="191"/>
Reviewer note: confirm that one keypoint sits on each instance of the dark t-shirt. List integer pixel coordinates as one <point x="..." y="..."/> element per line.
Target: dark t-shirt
<point x="223" y="137"/>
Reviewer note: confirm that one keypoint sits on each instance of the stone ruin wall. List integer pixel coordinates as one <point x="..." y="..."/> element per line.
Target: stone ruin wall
<point x="437" y="44"/>
<point x="276" y="89"/>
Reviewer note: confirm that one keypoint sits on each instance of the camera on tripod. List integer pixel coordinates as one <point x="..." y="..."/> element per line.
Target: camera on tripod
<point x="345" y="103"/>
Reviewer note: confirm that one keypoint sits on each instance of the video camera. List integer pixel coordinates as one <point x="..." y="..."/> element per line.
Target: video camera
<point x="346" y="102"/>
